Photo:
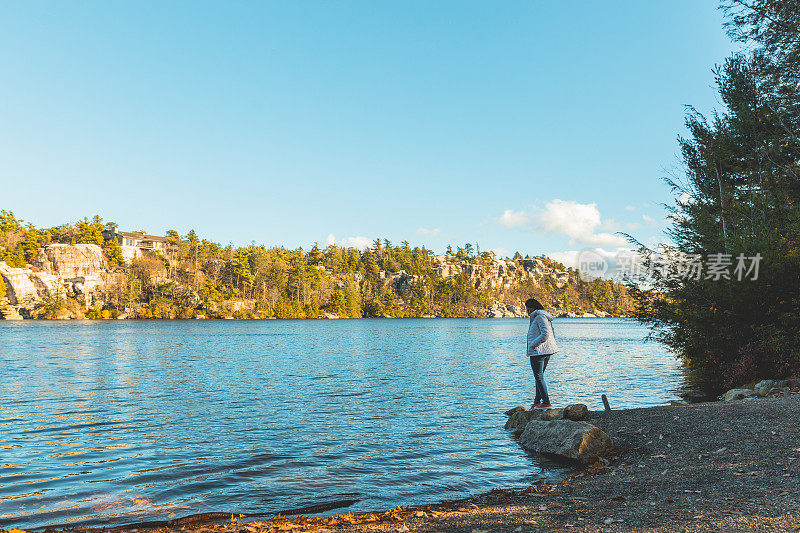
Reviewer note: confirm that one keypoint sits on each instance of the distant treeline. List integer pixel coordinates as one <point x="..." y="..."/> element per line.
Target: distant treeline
<point x="195" y="276"/>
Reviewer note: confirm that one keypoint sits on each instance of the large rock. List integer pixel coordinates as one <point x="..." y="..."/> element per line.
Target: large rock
<point x="519" y="419"/>
<point x="550" y="414"/>
<point x="763" y="387"/>
<point x="576" y="412"/>
<point x="566" y="438"/>
<point x="737" y="394"/>
<point x="514" y="410"/>
<point x="70" y="260"/>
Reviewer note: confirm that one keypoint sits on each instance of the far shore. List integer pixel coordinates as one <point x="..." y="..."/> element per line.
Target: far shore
<point x="310" y="318"/>
<point x="716" y="466"/>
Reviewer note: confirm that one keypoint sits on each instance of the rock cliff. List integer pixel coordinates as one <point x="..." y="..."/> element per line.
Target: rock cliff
<point x="25" y="287"/>
<point x="70" y="260"/>
<point x="499" y="273"/>
<point x="58" y="271"/>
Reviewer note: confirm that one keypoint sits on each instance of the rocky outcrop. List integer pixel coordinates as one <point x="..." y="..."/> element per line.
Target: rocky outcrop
<point x="518" y="419"/>
<point x="70" y="260"/>
<point x="129" y="253"/>
<point x="58" y="271"/>
<point x="559" y="432"/>
<point x="399" y="281"/>
<point x="566" y="438"/>
<point x="25" y="287"/>
<point x="519" y="416"/>
<point x="737" y="394"/>
<point x="9" y="313"/>
<point x="498" y="272"/>
<point x="763" y="388"/>
<point x="501" y="310"/>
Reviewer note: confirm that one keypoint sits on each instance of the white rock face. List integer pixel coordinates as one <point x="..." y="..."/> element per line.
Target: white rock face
<point x="498" y="272"/>
<point x="26" y="287"/>
<point x="70" y="261"/>
<point x="129" y="253"/>
<point x="72" y="271"/>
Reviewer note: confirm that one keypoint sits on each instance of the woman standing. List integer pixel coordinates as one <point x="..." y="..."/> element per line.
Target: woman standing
<point x="541" y="345"/>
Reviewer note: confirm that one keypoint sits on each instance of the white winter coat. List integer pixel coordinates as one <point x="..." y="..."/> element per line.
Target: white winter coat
<point x="541" y="339"/>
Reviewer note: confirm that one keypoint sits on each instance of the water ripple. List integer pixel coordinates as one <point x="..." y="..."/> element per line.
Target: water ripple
<point x="119" y="421"/>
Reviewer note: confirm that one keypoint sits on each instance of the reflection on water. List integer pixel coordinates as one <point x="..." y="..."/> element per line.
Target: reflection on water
<point x="119" y="421"/>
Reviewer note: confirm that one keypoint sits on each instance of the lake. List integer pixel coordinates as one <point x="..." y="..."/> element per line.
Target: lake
<point x="110" y="422"/>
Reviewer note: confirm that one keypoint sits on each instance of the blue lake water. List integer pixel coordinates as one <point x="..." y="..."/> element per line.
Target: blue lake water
<point x="105" y="422"/>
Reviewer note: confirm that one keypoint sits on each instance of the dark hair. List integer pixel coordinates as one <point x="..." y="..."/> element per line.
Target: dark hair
<point x="533" y="303"/>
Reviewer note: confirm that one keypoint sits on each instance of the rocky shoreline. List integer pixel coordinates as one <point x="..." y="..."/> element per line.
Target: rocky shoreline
<point x="716" y="466"/>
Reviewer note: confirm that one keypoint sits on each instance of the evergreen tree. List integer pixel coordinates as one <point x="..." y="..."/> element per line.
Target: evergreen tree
<point x="739" y="199"/>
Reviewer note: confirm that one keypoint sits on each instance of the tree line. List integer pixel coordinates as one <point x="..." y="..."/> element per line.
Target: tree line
<point x="195" y="276"/>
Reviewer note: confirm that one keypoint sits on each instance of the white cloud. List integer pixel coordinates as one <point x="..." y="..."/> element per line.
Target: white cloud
<point x="685" y="198"/>
<point x="330" y="240"/>
<point x="605" y="239"/>
<point x="612" y="258"/>
<point x="436" y="232"/>
<point x="648" y="219"/>
<point x="515" y="219"/>
<point x="610" y="225"/>
<point x="631" y="226"/>
<point x="359" y="242"/>
<point x="570" y="218"/>
<point x="580" y="222"/>
<point x="577" y="221"/>
<point x="630" y="208"/>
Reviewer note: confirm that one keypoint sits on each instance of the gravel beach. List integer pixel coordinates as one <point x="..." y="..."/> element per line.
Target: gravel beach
<point x="702" y="467"/>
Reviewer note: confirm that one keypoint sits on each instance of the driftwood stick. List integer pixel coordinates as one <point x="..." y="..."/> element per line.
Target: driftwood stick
<point x="605" y="403"/>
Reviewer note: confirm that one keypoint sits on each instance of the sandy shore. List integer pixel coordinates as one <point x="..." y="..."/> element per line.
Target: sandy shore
<point x="702" y="467"/>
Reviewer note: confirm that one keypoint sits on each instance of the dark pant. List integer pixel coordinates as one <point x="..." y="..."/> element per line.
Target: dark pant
<point x="539" y="364"/>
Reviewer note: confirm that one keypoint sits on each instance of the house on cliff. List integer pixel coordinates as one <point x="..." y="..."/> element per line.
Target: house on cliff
<point x="138" y="239"/>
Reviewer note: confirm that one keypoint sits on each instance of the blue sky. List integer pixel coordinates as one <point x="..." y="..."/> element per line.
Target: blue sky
<point x="534" y="126"/>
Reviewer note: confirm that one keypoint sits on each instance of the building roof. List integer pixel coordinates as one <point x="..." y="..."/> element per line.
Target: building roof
<point x="140" y="235"/>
